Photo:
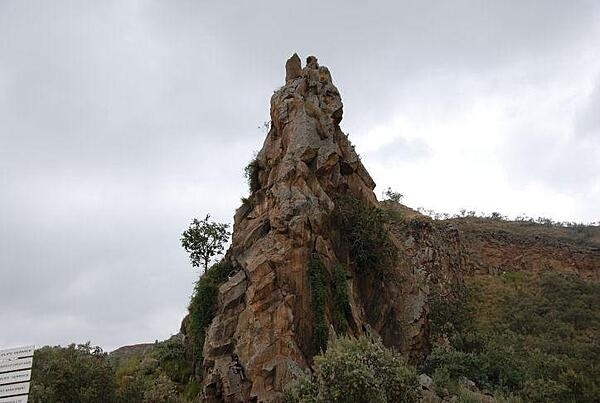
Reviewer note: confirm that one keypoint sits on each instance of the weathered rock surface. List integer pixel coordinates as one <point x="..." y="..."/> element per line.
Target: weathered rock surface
<point x="497" y="246"/>
<point x="264" y="315"/>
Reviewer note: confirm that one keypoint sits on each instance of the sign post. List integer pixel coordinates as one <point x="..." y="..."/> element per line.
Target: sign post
<point x="15" y="374"/>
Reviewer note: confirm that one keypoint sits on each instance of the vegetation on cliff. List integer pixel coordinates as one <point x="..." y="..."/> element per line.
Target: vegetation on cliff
<point x="341" y="304"/>
<point x="318" y="295"/>
<point x="251" y="175"/>
<point x="323" y="284"/>
<point x="204" y="240"/>
<point x="365" y="234"/>
<point x="203" y="305"/>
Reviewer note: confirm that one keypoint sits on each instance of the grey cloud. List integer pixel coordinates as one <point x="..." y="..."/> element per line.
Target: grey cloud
<point x="587" y="119"/>
<point x="123" y="120"/>
<point x="400" y="151"/>
<point x="563" y="164"/>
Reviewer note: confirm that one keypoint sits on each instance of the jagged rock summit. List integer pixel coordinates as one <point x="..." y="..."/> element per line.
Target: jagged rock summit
<point x="268" y="319"/>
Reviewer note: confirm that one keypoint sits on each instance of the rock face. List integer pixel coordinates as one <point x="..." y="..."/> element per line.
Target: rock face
<point x="263" y="333"/>
<point x="496" y="247"/>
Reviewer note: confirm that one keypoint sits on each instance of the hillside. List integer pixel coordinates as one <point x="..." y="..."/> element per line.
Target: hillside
<point x="524" y="323"/>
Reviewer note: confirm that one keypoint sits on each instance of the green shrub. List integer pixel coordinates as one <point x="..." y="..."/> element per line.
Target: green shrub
<point x="192" y="390"/>
<point x="443" y="383"/>
<point x="529" y="338"/>
<point x="172" y="360"/>
<point x="356" y="370"/>
<point x="364" y="230"/>
<point x="318" y="294"/>
<point x="161" y="390"/>
<point x="449" y="313"/>
<point x="204" y="302"/>
<point x="251" y="173"/>
<point x="77" y="373"/>
<point x="341" y="305"/>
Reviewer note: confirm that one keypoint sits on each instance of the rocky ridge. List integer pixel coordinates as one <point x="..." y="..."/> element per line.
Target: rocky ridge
<point x="265" y="322"/>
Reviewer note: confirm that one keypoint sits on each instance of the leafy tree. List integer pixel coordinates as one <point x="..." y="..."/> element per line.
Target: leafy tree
<point x="396" y="197"/>
<point x="77" y="373"/>
<point x="203" y="240"/>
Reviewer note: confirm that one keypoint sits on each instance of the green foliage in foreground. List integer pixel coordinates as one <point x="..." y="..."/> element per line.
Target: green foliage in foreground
<point x="77" y="373"/>
<point x="356" y="370"/>
<point x="204" y="302"/>
<point x="84" y="374"/>
<point x="532" y="336"/>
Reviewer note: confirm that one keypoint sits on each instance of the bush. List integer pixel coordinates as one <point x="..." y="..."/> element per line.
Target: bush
<point x="364" y="230"/>
<point x="171" y="359"/>
<point x="251" y="174"/>
<point x="341" y="304"/>
<point x="316" y="272"/>
<point x="357" y="370"/>
<point x="530" y="337"/>
<point x="161" y="390"/>
<point x="449" y="313"/>
<point x="204" y="302"/>
<point x="77" y="373"/>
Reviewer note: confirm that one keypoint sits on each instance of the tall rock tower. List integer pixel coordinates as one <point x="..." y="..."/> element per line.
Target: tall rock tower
<point x="287" y="242"/>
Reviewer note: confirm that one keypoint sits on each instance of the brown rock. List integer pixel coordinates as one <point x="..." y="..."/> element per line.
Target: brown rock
<point x="264" y="314"/>
<point x="311" y="62"/>
<point x="293" y="68"/>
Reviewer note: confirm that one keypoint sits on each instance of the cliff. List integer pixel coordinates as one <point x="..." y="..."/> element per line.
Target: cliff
<point x="312" y="254"/>
<point x="496" y="246"/>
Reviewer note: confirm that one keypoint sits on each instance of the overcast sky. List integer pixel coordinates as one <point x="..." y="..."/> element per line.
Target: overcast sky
<point x="120" y="121"/>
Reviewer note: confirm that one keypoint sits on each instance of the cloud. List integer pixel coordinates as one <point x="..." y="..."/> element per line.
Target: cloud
<point x="587" y="120"/>
<point x="123" y="120"/>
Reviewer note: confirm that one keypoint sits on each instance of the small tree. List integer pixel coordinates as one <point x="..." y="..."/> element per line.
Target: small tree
<point x="396" y="197"/>
<point x="203" y="240"/>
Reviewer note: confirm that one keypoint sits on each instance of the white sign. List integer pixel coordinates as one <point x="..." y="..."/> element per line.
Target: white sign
<point x="14" y="399"/>
<point x="18" y="352"/>
<point x="16" y="365"/>
<point x="14" y="389"/>
<point x="15" y="377"/>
